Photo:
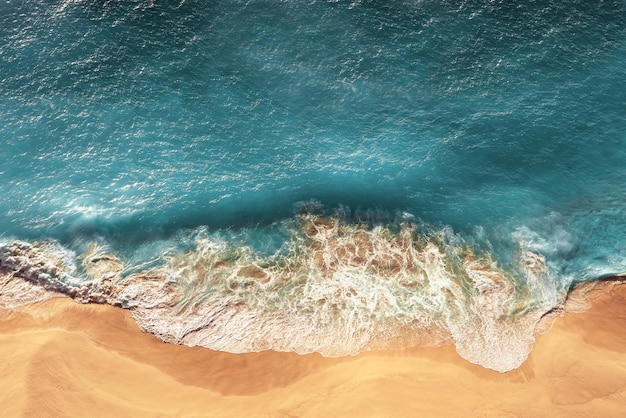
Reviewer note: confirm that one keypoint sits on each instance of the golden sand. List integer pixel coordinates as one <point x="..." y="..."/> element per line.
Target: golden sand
<point x="59" y="358"/>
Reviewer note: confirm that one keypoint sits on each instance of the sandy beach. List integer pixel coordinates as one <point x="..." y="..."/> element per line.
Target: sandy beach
<point x="60" y="358"/>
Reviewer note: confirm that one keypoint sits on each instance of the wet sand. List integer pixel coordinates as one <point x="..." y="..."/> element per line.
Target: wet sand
<point x="59" y="358"/>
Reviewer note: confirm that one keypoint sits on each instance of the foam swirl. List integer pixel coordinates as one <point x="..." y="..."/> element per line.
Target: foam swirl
<point x="336" y="289"/>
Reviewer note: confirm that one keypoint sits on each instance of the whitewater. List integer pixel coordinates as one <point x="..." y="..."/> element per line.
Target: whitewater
<point x="325" y="176"/>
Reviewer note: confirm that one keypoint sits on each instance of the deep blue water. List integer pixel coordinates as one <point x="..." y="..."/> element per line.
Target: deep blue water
<point x="136" y="122"/>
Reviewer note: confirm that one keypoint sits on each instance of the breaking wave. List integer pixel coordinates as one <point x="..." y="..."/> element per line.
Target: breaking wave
<point x="333" y="287"/>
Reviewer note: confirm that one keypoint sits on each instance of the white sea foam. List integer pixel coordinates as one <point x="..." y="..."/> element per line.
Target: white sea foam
<point x="338" y="290"/>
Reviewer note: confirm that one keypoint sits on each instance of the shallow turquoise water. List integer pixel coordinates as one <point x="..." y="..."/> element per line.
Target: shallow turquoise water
<point x="134" y="123"/>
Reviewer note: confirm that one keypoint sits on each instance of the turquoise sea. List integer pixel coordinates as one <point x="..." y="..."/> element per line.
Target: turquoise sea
<point x="158" y="129"/>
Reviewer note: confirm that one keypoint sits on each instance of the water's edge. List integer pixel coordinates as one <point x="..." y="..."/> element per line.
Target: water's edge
<point x="339" y="290"/>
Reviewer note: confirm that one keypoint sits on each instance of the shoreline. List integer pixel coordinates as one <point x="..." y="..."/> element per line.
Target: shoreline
<point x="61" y="358"/>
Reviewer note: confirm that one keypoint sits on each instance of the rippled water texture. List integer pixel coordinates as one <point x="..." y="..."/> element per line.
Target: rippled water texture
<point x="166" y="132"/>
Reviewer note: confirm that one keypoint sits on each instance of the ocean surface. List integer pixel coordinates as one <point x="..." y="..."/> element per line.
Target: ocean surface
<point x="325" y="149"/>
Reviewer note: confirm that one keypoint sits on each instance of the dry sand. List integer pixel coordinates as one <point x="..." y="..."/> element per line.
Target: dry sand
<point x="58" y="358"/>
